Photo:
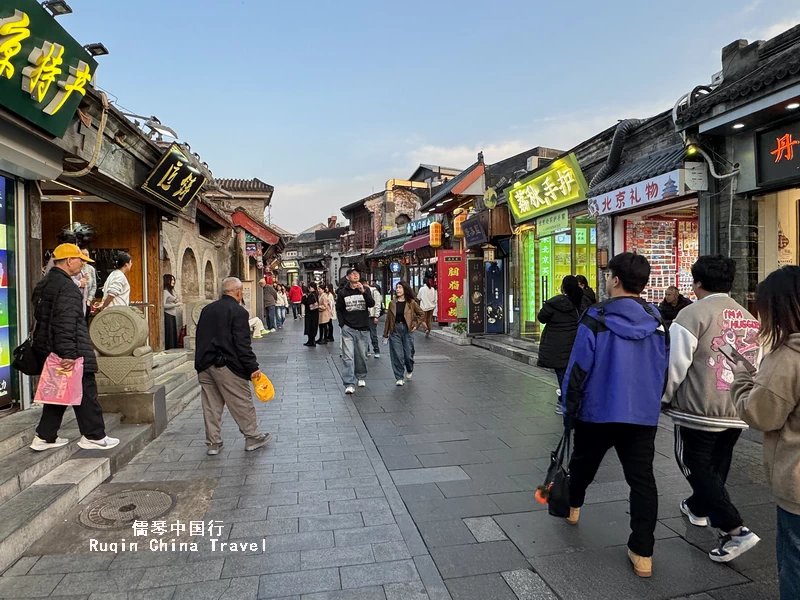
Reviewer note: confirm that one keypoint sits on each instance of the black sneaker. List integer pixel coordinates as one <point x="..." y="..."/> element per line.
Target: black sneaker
<point x="733" y="546"/>
<point x="259" y="442"/>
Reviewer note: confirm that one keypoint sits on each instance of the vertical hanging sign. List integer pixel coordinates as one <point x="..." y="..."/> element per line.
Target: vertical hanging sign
<point x="450" y="266"/>
<point x="476" y="314"/>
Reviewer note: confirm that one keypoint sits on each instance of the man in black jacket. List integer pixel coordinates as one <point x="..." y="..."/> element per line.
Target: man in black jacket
<point x="673" y="303"/>
<point x="352" y="310"/>
<point x="61" y="329"/>
<point x="225" y="362"/>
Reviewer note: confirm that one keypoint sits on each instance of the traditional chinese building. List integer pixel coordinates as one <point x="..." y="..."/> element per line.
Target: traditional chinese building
<point x="748" y="123"/>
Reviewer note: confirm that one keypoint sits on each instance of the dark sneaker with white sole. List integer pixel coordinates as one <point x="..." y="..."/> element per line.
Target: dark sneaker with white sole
<point x="105" y="444"/>
<point x="259" y="442"/>
<point x="733" y="546"/>
<point x="693" y="519"/>
<point x="214" y="449"/>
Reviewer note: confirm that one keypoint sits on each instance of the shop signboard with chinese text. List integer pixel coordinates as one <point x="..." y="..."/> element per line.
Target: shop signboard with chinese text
<point x="44" y="72"/>
<point x="553" y="223"/>
<point x="495" y="297"/>
<point x="656" y="189"/>
<point x="546" y="271"/>
<point x="778" y="154"/>
<point x="6" y="299"/>
<point x="558" y="185"/>
<point x="175" y="180"/>
<point x="451" y="277"/>
<point x="474" y="232"/>
<point x="418" y="226"/>
<point x="476" y="306"/>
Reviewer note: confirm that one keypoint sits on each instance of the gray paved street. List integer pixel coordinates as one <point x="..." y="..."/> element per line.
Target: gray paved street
<point x="424" y="491"/>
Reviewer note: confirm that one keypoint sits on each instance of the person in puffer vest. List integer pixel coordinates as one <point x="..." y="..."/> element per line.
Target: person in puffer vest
<point x="707" y="425"/>
<point x="612" y="392"/>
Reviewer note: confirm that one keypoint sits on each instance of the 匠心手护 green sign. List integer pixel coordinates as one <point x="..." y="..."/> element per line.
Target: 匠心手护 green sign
<point x="44" y="72"/>
<point x="559" y="184"/>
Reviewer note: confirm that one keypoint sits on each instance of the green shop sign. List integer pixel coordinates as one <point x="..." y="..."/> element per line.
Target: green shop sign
<point x="44" y="72"/>
<point x="558" y="185"/>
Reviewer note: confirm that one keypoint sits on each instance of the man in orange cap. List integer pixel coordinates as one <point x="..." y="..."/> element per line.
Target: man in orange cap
<point x="61" y="329"/>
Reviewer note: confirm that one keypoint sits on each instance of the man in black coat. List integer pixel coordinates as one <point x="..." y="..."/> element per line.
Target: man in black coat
<point x="225" y="362"/>
<point x="61" y="329"/>
<point x="673" y="303"/>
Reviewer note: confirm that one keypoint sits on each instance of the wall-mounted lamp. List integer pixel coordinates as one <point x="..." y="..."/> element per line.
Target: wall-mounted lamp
<point x="488" y="253"/>
<point x="96" y="49"/>
<point x="57" y="7"/>
<point x="602" y="258"/>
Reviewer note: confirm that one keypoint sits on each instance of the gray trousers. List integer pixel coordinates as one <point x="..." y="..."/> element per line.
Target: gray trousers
<point x="220" y="388"/>
<point x="354" y="355"/>
<point x="401" y="351"/>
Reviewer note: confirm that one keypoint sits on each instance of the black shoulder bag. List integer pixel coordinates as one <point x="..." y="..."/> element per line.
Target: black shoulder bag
<point x="25" y="360"/>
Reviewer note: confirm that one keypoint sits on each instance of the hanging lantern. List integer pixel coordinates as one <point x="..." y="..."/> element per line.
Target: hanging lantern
<point x="458" y="233"/>
<point x="436" y="235"/>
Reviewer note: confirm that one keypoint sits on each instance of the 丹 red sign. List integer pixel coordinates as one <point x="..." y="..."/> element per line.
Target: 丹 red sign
<point x="778" y="154"/>
<point x="450" y="266"/>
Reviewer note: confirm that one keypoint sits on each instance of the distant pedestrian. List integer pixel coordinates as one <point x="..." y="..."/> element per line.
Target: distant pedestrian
<point x="707" y="424"/>
<point x="330" y="295"/>
<point x="612" y="390"/>
<point x="90" y="289"/>
<point x="403" y="317"/>
<point x="374" y="317"/>
<point x="270" y="305"/>
<point x="282" y="305"/>
<point x="587" y="290"/>
<point x="311" y="306"/>
<point x="296" y="298"/>
<point x="116" y="289"/>
<point x="61" y="329"/>
<point x="561" y="315"/>
<point x="428" y="300"/>
<point x="770" y="402"/>
<point x="225" y="363"/>
<point x="172" y="310"/>
<point x="673" y="303"/>
<point x="352" y="307"/>
<point x="324" y="316"/>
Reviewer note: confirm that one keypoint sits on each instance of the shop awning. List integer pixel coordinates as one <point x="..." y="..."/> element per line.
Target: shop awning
<point x="389" y="247"/>
<point x="418" y="242"/>
<point x="254" y="228"/>
<point x="651" y="165"/>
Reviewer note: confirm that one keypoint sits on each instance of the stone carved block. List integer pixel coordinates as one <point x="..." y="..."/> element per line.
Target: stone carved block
<point x="191" y="329"/>
<point x="125" y="373"/>
<point x="118" y="331"/>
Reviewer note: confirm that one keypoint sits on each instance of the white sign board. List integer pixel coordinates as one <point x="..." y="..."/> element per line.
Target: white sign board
<point x="657" y="189"/>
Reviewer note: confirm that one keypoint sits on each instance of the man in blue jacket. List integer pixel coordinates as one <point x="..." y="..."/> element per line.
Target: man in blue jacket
<point x="613" y="387"/>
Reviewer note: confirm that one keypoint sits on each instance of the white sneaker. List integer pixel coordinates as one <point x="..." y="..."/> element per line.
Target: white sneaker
<point x="273" y="330"/>
<point x="349" y="390"/>
<point x="40" y="445"/>
<point x="693" y="519"/>
<point x="400" y="382"/>
<point x="732" y="546"/>
<point x="409" y="376"/>
<point x="105" y="444"/>
<point x="377" y="355"/>
<point x="362" y="383"/>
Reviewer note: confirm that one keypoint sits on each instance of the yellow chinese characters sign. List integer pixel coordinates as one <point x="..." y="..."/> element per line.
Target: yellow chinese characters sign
<point x="175" y="180"/>
<point x="559" y="184"/>
<point x="44" y="72"/>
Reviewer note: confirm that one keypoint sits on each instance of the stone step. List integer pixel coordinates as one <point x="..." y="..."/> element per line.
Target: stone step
<point x="179" y="402"/>
<point x="21" y="468"/>
<point x="167" y="361"/>
<point x="86" y="473"/>
<point x="176" y="377"/>
<point x="132" y="440"/>
<point x="509" y="351"/>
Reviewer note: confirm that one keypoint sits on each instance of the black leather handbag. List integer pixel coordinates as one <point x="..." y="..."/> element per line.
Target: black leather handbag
<point x="25" y="360"/>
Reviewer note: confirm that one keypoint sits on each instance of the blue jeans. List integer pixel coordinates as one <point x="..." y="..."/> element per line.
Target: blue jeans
<point x="272" y="320"/>
<point x="401" y="350"/>
<point x="788" y="548"/>
<point x="354" y="355"/>
<point x="280" y="312"/>
<point x="373" y="334"/>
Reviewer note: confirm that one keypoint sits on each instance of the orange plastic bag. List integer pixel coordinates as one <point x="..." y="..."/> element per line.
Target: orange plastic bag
<point x="265" y="391"/>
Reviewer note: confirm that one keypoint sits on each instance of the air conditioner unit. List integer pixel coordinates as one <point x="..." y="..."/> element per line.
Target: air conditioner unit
<point x="534" y="162"/>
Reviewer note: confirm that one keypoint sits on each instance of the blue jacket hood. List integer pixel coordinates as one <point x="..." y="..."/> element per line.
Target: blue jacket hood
<point x="626" y="318"/>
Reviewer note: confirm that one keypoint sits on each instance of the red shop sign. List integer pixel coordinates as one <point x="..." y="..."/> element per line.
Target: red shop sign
<point x="451" y="273"/>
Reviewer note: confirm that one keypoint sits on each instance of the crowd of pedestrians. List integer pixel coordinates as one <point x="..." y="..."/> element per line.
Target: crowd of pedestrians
<point x="710" y="366"/>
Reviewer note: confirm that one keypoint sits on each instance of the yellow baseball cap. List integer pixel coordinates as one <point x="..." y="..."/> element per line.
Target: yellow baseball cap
<point x="69" y="251"/>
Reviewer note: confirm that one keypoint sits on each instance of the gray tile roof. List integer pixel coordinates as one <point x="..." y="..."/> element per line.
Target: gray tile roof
<point x="245" y="185"/>
<point x="444" y="190"/>
<point x="652" y="165"/>
<point x="389" y="247"/>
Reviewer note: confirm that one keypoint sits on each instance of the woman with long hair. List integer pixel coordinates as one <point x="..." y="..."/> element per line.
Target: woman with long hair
<point x="770" y="402"/>
<point x="282" y="306"/>
<point x="172" y="310"/>
<point x="311" y="303"/>
<point x="330" y="292"/>
<point x="561" y="315"/>
<point x="116" y="289"/>
<point x="324" y="316"/>
<point x="403" y="317"/>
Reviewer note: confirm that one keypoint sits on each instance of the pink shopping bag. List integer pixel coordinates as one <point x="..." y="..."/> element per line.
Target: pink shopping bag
<point x="57" y="386"/>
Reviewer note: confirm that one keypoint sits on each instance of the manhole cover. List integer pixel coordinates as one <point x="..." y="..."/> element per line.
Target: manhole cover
<point x="121" y="510"/>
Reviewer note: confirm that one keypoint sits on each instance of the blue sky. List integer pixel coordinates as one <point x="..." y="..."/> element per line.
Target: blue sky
<point x="327" y="100"/>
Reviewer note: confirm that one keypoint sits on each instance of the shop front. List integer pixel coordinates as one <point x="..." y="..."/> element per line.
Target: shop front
<point x="657" y="217"/>
<point x="556" y="237"/>
<point x="422" y="258"/>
